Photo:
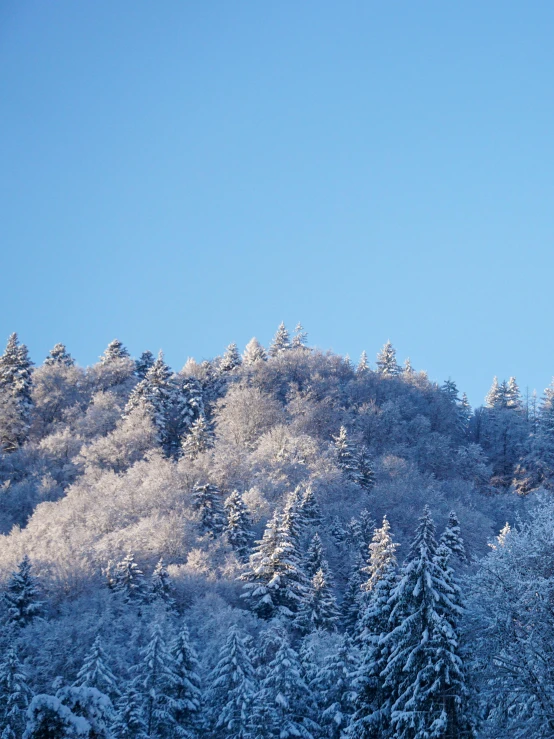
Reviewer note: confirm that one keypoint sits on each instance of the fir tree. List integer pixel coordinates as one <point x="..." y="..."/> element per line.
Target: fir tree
<point x="496" y="397"/>
<point x="206" y="500"/>
<point x="254" y="352"/>
<point x="238" y="528"/>
<point x="309" y="509"/>
<point x="143" y="364"/>
<point x="366" y="474"/>
<point x="314" y="558"/>
<point x="450" y="390"/>
<point x="95" y="672"/>
<point x="465" y="413"/>
<point x="452" y="537"/>
<point x="15" y="387"/>
<point x="157" y="682"/>
<point x="363" y="365"/>
<point x="15" y="694"/>
<point x="333" y="688"/>
<point x="300" y="338"/>
<point x="318" y="609"/>
<point x="129" y="723"/>
<point x="408" y="369"/>
<point x="115" y="350"/>
<point x="382" y="556"/>
<point x="21" y="596"/>
<point x="386" y="361"/>
<point x="59" y="355"/>
<point x="128" y="580"/>
<point x="186" y="690"/>
<point x="351" y="602"/>
<point x="293" y="519"/>
<point x="232" y="689"/>
<point x="513" y="396"/>
<point x="367" y="526"/>
<point x="231" y="359"/>
<point x="346" y="456"/>
<point x="281" y="341"/>
<point x="338" y="534"/>
<point x="160" y="586"/>
<point x="275" y="583"/>
<point x="199" y="439"/>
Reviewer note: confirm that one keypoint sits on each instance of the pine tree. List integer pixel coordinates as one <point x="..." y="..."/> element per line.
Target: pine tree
<point x="21" y="596"/>
<point x="232" y="689"/>
<point x="386" y="361"/>
<point x="15" y="387"/>
<point x="143" y="364"/>
<point x="281" y="341"/>
<point x="206" y="499"/>
<point x="363" y="365"/>
<point x="238" y="528"/>
<point x="338" y="534"/>
<point x="318" y="609"/>
<point x="115" y="350"/>
<point x="333" y="688"/>
<point x="275" y="583"/>
<point x="452" y="537"/>
<point x="95" y="672"/>
<point x="157" y="682"/>
<point x="59" y="355"/>
<point x="128" y="580"/>
<point x="15" y="694"/>
<point x="186" y="690"/>
<point x="254" y="352"/>
<point x="284" y="705"/>
<point x="130" y="723"/>
<point x="231" y="359"/>
<point x="199" y="439"/>
<point x="300" y="338"/>
<point x="160" y="586"/>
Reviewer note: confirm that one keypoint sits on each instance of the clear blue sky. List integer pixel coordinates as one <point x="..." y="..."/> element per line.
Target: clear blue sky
<point x="181" y="175"/>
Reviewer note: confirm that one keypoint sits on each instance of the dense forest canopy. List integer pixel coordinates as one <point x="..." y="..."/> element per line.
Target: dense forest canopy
<point x="278" y="543"/>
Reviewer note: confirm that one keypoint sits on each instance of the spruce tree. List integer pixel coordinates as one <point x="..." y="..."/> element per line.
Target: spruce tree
<point x="15" y="694"/>
<point x="363" y="365"/>
<point x="59" y="355"/>
<point x="346" y="455"/>
<point x="513" y="396"/>
<point x="157" y="682"/>
<point x="231" y="359"/>
<point x="333" y="689"/>
<point x="115" y="350"/>
<point x="408" y="369"/>
<point x="293" y="519"/>
<point x="199" y="439"/>
<point x="238" y="527"/>
<point x="15" y="389"/>
<point x="452" y="537"/>
<point x="128" y="580"/>
<point x="143" y="364"/>
<point x="300" y="338"/>
<point x="281" y="341"/>
<point x="231" y="691"/>
<point x="253" y="353"/>
<point x="95" y="672"/>
<point x="450" y="390"/>
<point x="274" y="583"/>
<point x="352" y="598"/>
<point x="21" y="596"/>
<point x="386" y="361"/>
<point x="130" y="723"/>
<point x="382" y="556"/>
<point x="318" y="609"/>
<point x="465" y="413"/>
<point x="496" y="397"/>
<point x="160" y="586"/>
<point x="313" y="561"/>
<point x="206" y="499"/>
<point x="366" y="474"/>
<point x="186" y="690"/>
<point x="309" y="509"/>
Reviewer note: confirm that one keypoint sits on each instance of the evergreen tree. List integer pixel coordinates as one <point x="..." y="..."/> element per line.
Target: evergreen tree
<point x="363" y="365"/>
<point x="128" y="580"/>
<point x="351" y="602"/>
<point x="513" y="396"/>
<point x="333" y="688"/>
<point x="129" y="723"/>
<point x="367" y="527"/>
<point x="496" y="397"/>
<point x="537" y="468"/>
<point x="186" y="690"/>
<point x="318" y="609"/>
<point x="346" y="456"/>
<point x="314" y="558"/>
<point x="284" y="705"/>
<point x="199" y="439"/>
<point x="408" y="369"/>
<point x="452" y="537"/>
<point x="21" y="596"/>
<point x="293" y="519"/>
<point x="15" y="694"/>
<point x="386" y="361"/>
<point x="160" y="586"/>
<point x="281" y="341"/>
<point x="143" y="364"/>
<point x="48" y="718"/>
<point x="309" y="509"/>
<point x="450" y="390"/>
<point x="115" y="350"/>
<point x="465" y="413"/>
<point x="232" y="689"/>
<point x="300" y="338"/>
<point x="157" y="682"/>
<point x="207" y="501"/>
<point x="15" y="391"/>
<point x="95" y="672"/>
<point x="338" y="534"/>
<point x="231" y="359"/>
<point x="366" y="475"/>
<point x="254" y="352"/>
<point x="274" y="583"/>
<point x="382" y="556"/>
<point x="238" y="528"/>
<point x="59" y="355"/>
<point x="93" y="710"/>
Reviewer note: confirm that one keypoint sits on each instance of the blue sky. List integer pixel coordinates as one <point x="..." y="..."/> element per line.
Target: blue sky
<point x="182" y="175"/>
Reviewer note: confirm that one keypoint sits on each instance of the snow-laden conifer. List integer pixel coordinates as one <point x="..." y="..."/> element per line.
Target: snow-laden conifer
<point x="363" y="364"/>
<point x="513" y="395"/>
<point x="15" y="391"/>
<point x="129" y="722"/>
<point x="314" y="558"/>
<point x="160" y="586"/>
<point x="366" y="473"/>
<point x="333" y="690"/>
<point x="115" y="350"/>
<point x="408" y="370"/>
<point x="281" y="341"/>
<point x="206" y="499"/>
<point x="300" y="338"/>
<point x="310" y="510"/>
<point x="15" y="693"/>
<point x="21" y="596"/>
<point x="452" y="537"/>
<point x="238" y="527"/>
<point x="127" y="579"/>
<point x="231" y="359"/>
<point x="95" y="672"/>
<point x="346" y="455"/>
<point x="318" y="609"/>
<point x="352" y="598"/>
<point x="253" y="353"/>
<point x="198" y="440"/>
<point x="186" y="688"/>
<point x="386" y="361"/>
<point x="232" y="686"/>
<point x="59" y="355"/>
<point x="157" y="682"/>
<point x="143" y="364"/>
<point x="382" y="556"/>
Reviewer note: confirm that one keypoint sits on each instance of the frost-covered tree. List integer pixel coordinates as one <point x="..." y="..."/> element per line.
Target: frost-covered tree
<point x="363" y="364"/>
<point x="231" y="359"/>
<point x="346" y="455"/>
<point x="186" y="690"/>
<point x="95" y="672"/>
<point x="513" y="395"/>
<point x="232" y="686"/>
<point x="274" y="583"/>
<point x="199" y="439"/>
<point x="126" y="578"/>
<point x="238" y="527"/>
<point x="452" y="537"/>
<point x="300" y="338"/>
<point x="366" y="473"/>
<point x="313" y="561"/>
<point x="318" y="609"/>
<point x="386" y="361"/>
<point x="15" y="694"/>
<point x="382" y="556"/>
<point x="253" y="353"/>
<point x="160" y="586"/>
<point x="450" y="390"/>
<point x="91" y="706"/>
<point x="129" y="722"/>
<point x="115" y="350"/>
<point x="206" y="499"/>
<point x="537" y="467"/>
<point x="59" y="355"/>
<point x="351" y="602"/>
<point x="332" y="686"/>
<point x="21" y="596"/>
<point x="309" y="509"/>
<point x="408" y="369"/>
<point x="281" y="341"/>
<point x="48" y="718"/>
<point x="15" y="394"/>
<point x="143" y="364"/>
<point x="157" y="682"/>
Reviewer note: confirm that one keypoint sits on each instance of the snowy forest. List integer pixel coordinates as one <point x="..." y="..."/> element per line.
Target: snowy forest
<point x="274" y="543"/>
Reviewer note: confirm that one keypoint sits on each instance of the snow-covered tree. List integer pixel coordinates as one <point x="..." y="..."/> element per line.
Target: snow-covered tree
<point x="281" y="341"/>
<point x="127" y="579"/>
<point x="254" y="352"/>
<point x="160" y="586"/>
<point x="115" y="350"/>
<point x="95" y="672"/>
<point x="309" y="509"/>
<point x="300" y="338"/>
<point x="238" y="527"/>
<point x="130" y="723"/>
<point x="351" y="602"/>
<point x="15" y="394"/>
<point x="157" y="682"/>
<point x="333" y="689"/>
<point x="346" y="455"/>
<point x="15" y="693"/>
<point x="206" y="499"/>
<point x="363" y="364"/>
<point x="513" y="395"/>
<point x="199" y="439"/>
<point x="48" y="718"/>
<point x="318" y="609"/>
<point x="143" y="364"/>
<point x="274" y="583"/>
<point x="452" y="537"/>
<point x="313" y="561"/>
<point x="59" y="355"/>
<point x="232" y="686"/>
<point x="382" y="556"/>
<point x="21" y="596"/>
<point x="186" y="690"/>
<point x="231" y="359"/>
<point x="408" y="369"/>
<point x="91" y="706"/>
<point x="386" y="361"/>
<point x="366" y="474"/>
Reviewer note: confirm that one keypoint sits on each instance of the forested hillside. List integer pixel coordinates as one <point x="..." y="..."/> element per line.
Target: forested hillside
<point x="278" y="543"/>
